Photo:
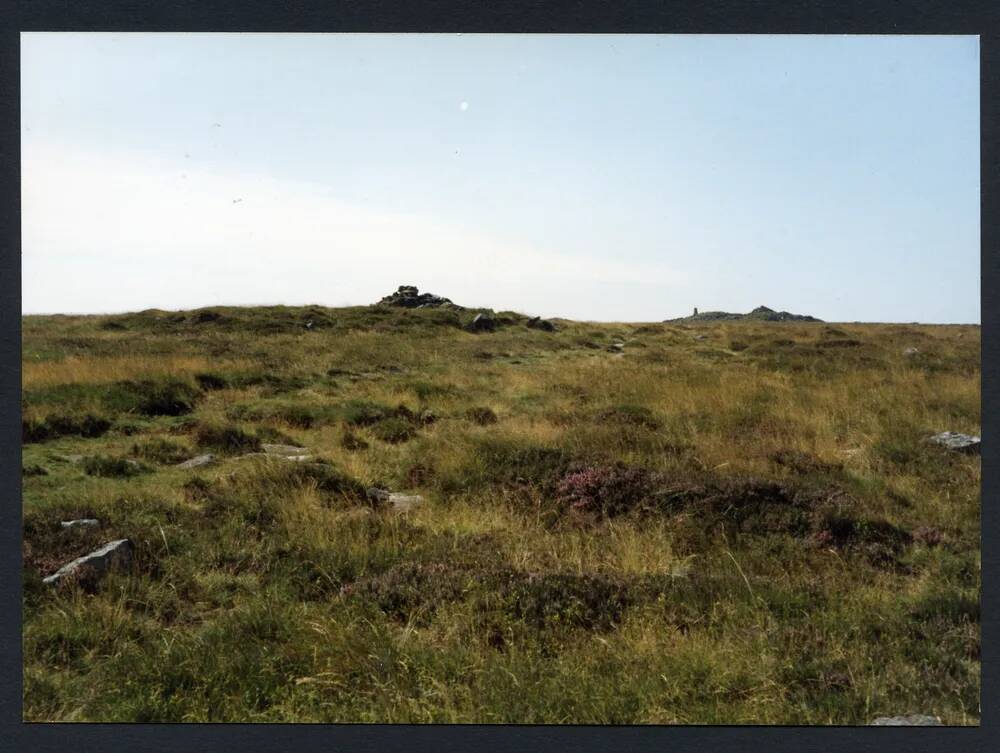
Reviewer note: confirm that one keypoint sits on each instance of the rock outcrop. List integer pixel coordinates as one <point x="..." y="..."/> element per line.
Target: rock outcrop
<point x="957" y="442"/>
<point x="92" y="566"/>
<point x="198" y="461"/>
<point x="409" y="297"/>
<point x="760" y="314"/>
<point x="536" y="322"/>
<point x="482" y="323"/>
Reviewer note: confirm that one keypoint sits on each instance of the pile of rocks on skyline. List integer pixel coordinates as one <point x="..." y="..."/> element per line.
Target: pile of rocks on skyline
<point x="409" y="297"/>
<point x="761" y="313"/>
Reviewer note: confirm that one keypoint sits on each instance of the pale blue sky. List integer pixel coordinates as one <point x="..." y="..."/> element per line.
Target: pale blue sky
<point x="594" y="177"/>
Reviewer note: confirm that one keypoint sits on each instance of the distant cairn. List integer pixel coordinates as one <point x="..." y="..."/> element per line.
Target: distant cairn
<point x="760" y="314"/>
<point x="409" y="297"/>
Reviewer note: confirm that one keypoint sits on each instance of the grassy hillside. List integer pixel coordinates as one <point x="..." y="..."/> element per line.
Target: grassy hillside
<point x="733" y="522"/>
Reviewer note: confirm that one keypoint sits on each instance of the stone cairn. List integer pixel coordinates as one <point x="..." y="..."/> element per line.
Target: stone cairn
<point x="409" y="297"/>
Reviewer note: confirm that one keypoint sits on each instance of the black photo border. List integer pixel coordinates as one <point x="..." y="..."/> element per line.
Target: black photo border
<point x="975" y="17"/>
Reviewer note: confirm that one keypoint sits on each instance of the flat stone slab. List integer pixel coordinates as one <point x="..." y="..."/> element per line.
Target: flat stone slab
<point x="286" y="450"/>
<point x="80" y="523"/>
<point x="912" y="720"/>
<point x="957" y="442"/>
<point x="398" y="502"/>
<point x="405" y="502"/>
<point x="197" y="462"/>
<point x="113" y="554"/>
<point x="272" y="456"/>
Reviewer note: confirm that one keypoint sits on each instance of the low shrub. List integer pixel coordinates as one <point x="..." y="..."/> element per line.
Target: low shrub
<point x="560" y="600"/>
<point x="211" y="382"/>
<point x="109" y="467"/>
<point x="425" y="390"/>
<point x="270" y="383"/>
<point x="324" y="476"/>
<point x="503" y="462"/>
<point x="59" y="425"/>
<point x="803" y="462"/>
<point x="273" y="436"/>
<point x="928" y="535"/>
<point x="629" y="415"/>
<point x="352" y="442"/>
<point x="845" y="343"/>
<point x="161" y="450"/>
<point x="606" y="491"/>
<point x="226" y="439"/>
<point x="394" y="430"/>
<point x="879" y="541"/>
<point x="481" y="415"/>
<point x="364" y="413"/>
<point x="151" y="397"/>
<point x="412" y="591"/>
<point x="296" y="415"/>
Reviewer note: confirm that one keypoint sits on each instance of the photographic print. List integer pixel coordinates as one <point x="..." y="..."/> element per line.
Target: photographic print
<point x="501" y="378"/>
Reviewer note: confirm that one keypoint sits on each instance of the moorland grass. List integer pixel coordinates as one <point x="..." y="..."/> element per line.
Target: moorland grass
<point x="744" y="528"/>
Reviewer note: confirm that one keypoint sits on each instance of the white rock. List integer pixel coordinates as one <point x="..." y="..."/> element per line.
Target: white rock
<point x="910" y="351"/>
<point x="113" y="554"/>
<point x="267" y="456"/>
<point x="285" y="450"/>
<point x="197" y="462"/>
<point x="80" y="523"/>
<point x="958" y="442"/>
<point x="405" y="502"/>
<point x="399" y="502"/>
<point x="912" y="720"/>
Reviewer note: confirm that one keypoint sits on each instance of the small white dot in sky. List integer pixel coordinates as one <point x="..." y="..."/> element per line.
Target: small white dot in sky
<point x="464" y="106"/>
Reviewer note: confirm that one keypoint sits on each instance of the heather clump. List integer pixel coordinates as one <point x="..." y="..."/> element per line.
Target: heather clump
<point x="606" y="491"/>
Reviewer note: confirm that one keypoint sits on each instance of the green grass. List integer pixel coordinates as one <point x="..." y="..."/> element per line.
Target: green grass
<point x="745" y="528"/>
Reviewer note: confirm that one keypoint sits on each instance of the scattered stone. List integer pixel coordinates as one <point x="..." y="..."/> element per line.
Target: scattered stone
<point x="284" y="449"/>
<point x="616" y="348"/>
<point x="409" y="297"/>
<point x="911" y="351"/>
<point x="957" y="442"/>
<point x="70" y="458"/>
<point x="700" y="337"/>
<point x="427" y="417"/>
<point x="309" y="324"/>
<point x="113" y="554"/>
<point x="482" y="323"/>
<point x="912" y="720"/>
<point x="197" y="462"/>
<point x="399" y="502"/>
<point x="378" y="495"/>
<point x="405" y="502"/>
<point x="536" y="322"/>
<point x="275" y="456"/>
<point x="80" y="523"/>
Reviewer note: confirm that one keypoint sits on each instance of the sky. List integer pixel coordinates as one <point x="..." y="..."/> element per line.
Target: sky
<point x="593" y="177"/>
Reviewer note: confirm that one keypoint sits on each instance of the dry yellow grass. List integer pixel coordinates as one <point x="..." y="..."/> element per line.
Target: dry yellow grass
<point x="258" y="595"/>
